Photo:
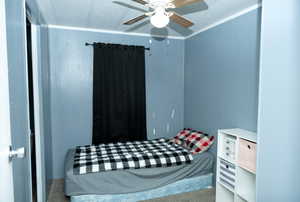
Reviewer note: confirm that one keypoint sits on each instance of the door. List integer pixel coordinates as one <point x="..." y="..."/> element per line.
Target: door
<point x="6" y="184"/>
<point x="14" y="122"/>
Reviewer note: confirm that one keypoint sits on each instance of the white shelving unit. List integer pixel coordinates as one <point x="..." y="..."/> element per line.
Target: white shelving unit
<point x="236" y="166"/>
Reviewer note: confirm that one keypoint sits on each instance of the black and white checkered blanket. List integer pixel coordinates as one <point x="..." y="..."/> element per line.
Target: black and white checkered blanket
<point x="129" y="155"/>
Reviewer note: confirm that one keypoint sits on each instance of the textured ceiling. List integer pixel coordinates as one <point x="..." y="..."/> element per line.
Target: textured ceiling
<point x="110" y="14"/>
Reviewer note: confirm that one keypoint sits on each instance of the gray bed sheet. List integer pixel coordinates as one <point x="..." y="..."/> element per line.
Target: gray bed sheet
<point x="132" y="180"/>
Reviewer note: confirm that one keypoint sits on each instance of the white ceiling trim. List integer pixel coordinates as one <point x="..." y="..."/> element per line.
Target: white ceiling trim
<point x="224" y="20"/>
<point x="111" y="31"/>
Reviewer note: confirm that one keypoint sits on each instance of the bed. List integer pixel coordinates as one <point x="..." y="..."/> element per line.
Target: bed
<point x="138" y="184"/>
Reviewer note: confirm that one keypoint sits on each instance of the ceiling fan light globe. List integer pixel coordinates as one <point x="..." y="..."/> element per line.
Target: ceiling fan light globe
<point x="160" y="21"/>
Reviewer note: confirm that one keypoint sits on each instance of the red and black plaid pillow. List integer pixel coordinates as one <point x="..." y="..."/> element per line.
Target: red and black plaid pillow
<point x="181" y="137"/>
<point x="198" y="142"/>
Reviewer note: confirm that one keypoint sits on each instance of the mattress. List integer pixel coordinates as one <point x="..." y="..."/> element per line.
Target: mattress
<point x="132" y="180"/>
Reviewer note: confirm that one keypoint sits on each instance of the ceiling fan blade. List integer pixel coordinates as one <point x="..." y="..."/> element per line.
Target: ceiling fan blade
<point x="134" y="20"/>
<point x="141" y="2"/>
<point x="181" y="20"/>
<point x="181" y="3"/>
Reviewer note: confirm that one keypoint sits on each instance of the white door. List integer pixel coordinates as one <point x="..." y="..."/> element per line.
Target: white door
<point x="6" y="175"/>
<point x="15" y="174"/>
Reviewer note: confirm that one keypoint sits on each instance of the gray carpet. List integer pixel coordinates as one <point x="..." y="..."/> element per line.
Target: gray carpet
<point x="57" y="192"/>
<point x="208" y="195"/>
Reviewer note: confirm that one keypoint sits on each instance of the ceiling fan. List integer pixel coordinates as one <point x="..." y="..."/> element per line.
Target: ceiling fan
<point x="161" y="12"/>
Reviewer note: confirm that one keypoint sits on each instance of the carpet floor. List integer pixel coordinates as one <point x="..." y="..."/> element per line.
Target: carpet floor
<point x="207" y="195"/>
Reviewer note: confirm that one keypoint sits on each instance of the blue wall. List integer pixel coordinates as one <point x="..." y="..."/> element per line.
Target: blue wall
<point x="278" y="166"/>
<point x="71" y="87"/>
<point x="221" y="76"/>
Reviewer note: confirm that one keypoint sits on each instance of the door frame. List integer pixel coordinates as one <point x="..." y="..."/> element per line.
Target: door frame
<point x="38" y="114"/>
<point x="6" y="174"/>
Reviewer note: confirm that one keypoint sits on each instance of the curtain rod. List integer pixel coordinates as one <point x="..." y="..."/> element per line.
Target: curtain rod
<point x="92" y="44"/>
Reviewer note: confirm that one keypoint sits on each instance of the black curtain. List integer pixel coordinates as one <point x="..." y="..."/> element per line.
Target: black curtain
<point x="119" y="97"/>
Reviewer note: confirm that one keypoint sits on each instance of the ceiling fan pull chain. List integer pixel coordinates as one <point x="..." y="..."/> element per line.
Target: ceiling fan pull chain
<point x="150" y="51"/>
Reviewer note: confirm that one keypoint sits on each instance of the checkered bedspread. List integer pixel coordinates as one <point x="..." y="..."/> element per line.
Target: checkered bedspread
<point x="129" y="155"/>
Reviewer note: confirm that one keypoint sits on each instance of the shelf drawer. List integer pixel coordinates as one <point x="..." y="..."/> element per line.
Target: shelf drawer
<point x="227" y="174"/>
<point x="229" y="148"/>
<point x="247" y="155"/>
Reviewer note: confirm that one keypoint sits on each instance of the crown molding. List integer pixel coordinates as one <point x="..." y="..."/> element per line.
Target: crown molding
<point x="112" y="32"/>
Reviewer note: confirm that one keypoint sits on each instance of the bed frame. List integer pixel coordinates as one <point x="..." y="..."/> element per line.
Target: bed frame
<point x="182" y="186"/>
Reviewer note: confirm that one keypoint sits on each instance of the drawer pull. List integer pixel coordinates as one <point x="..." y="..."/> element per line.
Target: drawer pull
<point x="227" y="166"/>
<point x="249" y="147"/>
<point x="228" y="171"/>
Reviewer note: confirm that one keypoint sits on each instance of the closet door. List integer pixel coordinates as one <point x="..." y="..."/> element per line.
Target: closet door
<point x="16" y="74"/>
